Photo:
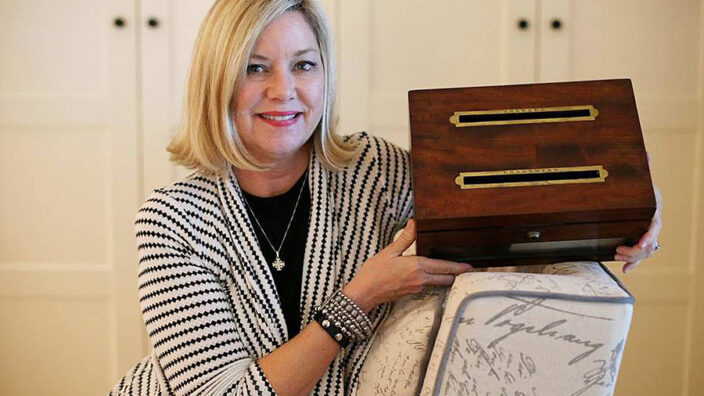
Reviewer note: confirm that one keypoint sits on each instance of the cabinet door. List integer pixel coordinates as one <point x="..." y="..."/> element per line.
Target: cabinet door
<point x="68" y="164"/>
<point x="391" y="47"/>
<point x="657" y="44"/>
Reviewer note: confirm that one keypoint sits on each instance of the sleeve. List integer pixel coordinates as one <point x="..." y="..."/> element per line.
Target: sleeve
<point x="186" y="309"/>
<point x="395" y="164"/>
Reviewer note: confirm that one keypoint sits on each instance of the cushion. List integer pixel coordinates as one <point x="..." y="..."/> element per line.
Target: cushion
<point x="556" y="329"/>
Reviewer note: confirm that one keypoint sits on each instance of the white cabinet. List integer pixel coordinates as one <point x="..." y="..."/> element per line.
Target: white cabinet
<point x="398" y="46"/>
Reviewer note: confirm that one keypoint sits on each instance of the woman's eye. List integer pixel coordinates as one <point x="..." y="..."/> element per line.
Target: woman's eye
<point x="254" y="69"/>
<point x="305" y="66"/>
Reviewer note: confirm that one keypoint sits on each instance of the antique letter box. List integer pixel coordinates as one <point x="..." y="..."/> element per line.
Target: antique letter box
<point x="528" y="174"/>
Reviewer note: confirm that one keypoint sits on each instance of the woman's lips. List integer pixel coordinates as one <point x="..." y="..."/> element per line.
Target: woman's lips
<point x="280" y="118"/>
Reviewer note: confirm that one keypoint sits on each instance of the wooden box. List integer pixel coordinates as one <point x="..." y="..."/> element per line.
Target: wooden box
<point x="528" y="174"/>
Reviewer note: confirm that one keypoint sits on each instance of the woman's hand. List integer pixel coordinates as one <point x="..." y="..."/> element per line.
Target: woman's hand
<point x="389" y="275"/>
<point x="648" y="243"/>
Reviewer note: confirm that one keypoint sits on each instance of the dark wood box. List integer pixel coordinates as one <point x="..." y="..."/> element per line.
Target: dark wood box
<point x="528" y="174"/>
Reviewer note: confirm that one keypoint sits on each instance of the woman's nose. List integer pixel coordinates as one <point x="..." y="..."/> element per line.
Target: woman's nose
<point x="282" y="86"/>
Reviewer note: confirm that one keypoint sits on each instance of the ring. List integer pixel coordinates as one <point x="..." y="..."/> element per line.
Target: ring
<point x="656" y="247"/>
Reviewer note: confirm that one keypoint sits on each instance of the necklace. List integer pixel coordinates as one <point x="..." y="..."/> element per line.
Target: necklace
<point x="278" y="264"/>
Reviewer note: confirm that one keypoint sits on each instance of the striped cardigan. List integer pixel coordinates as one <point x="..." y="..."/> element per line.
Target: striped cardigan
<point x="207" y="295"/>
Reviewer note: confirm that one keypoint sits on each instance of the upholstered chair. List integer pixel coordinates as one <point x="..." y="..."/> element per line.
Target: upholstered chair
<point x="539" y="330"/>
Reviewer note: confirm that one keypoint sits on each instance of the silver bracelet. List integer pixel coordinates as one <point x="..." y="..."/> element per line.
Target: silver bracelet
<point x="348" y="320"/>
<point x="361" y="317"/>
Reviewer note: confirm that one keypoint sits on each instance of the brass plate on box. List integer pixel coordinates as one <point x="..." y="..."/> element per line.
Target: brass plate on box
<point x="531" y="177"/>
<point x="524" y="116"/>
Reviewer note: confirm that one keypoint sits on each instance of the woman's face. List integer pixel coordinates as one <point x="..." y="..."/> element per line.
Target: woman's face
<point x="281" y="100"/>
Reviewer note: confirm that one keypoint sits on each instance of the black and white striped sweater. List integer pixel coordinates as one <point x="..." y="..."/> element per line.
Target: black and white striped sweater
<point x="208" y="298"/>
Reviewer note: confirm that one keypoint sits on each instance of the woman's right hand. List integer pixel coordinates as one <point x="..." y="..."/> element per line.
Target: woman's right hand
<point x="390" y="275"/>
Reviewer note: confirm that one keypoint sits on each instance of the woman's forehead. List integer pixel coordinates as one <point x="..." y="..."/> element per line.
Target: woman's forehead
<point x="290" y="34"/>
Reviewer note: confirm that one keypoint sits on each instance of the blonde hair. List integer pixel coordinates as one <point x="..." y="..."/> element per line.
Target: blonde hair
<point x="208" y="140"/>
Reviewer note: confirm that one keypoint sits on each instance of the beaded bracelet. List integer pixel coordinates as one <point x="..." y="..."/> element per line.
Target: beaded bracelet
<point x="343" y="319"/>
<point x="350" y="306"/>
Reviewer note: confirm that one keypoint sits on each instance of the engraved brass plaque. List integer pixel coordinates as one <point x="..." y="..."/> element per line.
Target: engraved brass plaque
<point x="524" y="116"/>
<point x="532" y="177"/>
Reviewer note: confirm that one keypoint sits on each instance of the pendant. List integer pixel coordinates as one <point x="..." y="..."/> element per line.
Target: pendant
<point x="278" y="264"/>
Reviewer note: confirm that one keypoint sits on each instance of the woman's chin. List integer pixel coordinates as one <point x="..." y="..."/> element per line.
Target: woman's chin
<point x="278" y="152"/>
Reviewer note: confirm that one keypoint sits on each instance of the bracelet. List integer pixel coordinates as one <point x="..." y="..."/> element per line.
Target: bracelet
<point x="334" y="332"/>
<point x="348" y="320"/>
<point x="343" y="319"/>
<point x="361" y="316"/>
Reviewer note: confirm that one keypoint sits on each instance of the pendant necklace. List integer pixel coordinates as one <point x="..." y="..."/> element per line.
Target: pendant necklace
<point x="278" y="264"/>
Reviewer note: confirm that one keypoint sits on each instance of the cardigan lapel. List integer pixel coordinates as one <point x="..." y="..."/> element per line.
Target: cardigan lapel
<point x="321" y="262"/>
<point x="260" y="298"/>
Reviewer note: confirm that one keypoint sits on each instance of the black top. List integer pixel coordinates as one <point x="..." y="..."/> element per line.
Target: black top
<point x="274" y="214"/>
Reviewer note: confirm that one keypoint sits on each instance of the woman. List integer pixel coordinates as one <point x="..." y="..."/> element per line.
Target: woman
<point x="269" y="268"/>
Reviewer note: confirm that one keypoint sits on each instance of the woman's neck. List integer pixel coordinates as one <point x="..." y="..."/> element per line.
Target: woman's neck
<point x="276" y="180"/>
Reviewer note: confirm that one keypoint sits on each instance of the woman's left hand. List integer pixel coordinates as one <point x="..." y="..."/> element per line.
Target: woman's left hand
<point x="648" y="243"/>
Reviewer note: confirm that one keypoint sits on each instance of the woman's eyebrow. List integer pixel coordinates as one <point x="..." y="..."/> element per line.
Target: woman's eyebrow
<point x="296" y="54"/>
<point x="301" y="52"/>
